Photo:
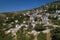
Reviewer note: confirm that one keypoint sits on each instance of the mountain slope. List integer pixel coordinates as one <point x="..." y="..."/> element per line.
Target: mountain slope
<point x="28" y="24"/>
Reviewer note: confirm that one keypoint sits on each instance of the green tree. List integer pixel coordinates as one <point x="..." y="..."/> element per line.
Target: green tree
<point x="55" y="34"/>
<point x="41" y="36"/>
<point x="39" y="27"/>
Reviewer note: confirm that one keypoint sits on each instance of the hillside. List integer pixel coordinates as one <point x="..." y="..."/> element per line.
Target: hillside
<point x="35" y="24"/>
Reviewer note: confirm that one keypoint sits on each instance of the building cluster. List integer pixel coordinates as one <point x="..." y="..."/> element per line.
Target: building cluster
<point x="34" y="18"/>
<point x="31" y="18"/>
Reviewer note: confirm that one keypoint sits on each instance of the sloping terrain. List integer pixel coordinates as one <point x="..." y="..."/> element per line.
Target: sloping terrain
<point x="34" y="24"/>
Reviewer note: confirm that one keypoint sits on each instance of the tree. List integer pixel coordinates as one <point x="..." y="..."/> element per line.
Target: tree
<point x="55" y="34"/>
<point x="41" y="36"/>
<point x="39" y="27"/>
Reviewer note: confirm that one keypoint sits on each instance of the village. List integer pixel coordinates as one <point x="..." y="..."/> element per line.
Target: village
<point x="32" y="23"/>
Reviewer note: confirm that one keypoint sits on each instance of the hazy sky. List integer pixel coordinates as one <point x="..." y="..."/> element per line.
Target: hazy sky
<point x="17" y="5"/>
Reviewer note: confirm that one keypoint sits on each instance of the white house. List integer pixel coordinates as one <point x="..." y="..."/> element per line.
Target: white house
<point x="57" y="11"/>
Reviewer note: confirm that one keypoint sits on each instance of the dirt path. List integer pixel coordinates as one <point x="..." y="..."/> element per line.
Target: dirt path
<point x="35" y="37"/>
<point x="48" y="36"/>
<point x="15" y="37"/>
